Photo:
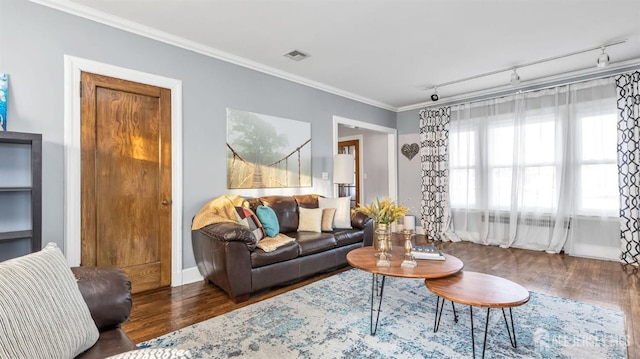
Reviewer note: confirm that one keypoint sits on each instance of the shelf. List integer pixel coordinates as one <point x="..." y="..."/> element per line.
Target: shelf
<point x="15" y="189"/>
<point x="21" y="194"/>
<point x="7" y="236"/>
<point x="19" y="137"/>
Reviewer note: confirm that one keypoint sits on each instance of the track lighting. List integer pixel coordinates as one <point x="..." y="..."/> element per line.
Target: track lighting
<point x="435" y="97"/>
<point x="603" y="59"/>
<point x="515" y="78"/>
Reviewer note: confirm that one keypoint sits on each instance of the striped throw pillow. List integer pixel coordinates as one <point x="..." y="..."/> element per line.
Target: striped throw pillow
<point x="248" y="219"/>
<point x="42" y="312"/>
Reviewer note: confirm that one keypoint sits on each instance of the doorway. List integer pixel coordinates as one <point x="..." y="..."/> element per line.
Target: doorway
<point x="378" y="168"/>
<point x="126" y="178"/>
<point x="352" y="190"/>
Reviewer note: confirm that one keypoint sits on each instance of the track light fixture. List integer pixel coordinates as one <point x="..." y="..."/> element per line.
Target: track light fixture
<point x="603" y="59"/>
<point x="515" y="78"/>
<point x="435" y="96"/>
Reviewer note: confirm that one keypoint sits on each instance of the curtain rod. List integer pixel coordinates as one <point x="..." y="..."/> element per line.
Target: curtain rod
<point x="536" y="87"/>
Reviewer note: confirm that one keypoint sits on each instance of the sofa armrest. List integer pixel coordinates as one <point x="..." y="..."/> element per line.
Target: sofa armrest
<point x="363" y="222"/>
<point x="359" y="220"/>
<point x="107" y="291"/>
<point x="230" y="232"/>
<point x="223" y="257"/>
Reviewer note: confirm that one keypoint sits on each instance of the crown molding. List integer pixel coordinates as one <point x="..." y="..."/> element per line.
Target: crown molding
<point x="531" y="85"/>
<point x="151" y="33"/>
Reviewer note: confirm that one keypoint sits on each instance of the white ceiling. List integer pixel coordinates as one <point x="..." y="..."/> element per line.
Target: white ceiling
<point x="387" y="53"/>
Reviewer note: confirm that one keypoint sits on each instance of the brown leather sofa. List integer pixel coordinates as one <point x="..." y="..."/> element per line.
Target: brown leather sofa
<point x="107" y="291"/>
<point x="227" y="256"/>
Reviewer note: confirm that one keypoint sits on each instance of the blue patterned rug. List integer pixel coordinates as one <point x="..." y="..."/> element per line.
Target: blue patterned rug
<point x="330" y="319"/>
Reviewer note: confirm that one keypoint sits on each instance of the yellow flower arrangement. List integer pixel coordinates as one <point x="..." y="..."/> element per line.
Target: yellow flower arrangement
<point x="385" y="212"/>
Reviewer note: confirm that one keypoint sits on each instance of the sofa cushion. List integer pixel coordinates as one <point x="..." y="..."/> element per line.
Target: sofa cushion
<point x="286" y="209"/>
<point x="310" y="220"/>
<point x="348" y="236"/>
<point x="249" y="220"/>
<point x="283" y="253"/>
<point x="42" y="312"/>
<point x="269" y="220"/>
<point x="342" y="205"/>
<point x="310" y="242"/>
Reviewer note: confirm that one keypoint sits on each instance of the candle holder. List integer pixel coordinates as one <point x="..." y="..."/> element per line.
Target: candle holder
<point x="382" y="244"/>
<point x="409" y="261"/>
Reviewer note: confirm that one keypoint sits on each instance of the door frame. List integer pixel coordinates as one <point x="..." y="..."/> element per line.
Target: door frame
<point x="73" y="66"/>
<point x="392" y="158"/>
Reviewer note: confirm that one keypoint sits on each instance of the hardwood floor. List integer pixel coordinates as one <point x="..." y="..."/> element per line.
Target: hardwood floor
<point x="604" y="283"/>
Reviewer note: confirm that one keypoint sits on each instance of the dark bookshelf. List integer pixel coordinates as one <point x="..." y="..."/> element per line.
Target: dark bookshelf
<point x="33" y="190"/>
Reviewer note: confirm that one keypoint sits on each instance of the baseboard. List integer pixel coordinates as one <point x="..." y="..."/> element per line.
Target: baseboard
<point x="191" y="275"/>
<point x="596" y="252"/>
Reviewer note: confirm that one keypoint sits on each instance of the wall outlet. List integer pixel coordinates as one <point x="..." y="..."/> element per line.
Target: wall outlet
<point x="325" y="175"/>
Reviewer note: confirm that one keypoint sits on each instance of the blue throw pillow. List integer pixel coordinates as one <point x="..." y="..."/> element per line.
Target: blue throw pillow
<point x="269" y="220"/>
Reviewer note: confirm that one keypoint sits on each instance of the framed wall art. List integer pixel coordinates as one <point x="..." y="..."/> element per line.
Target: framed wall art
<point x="267" y="152"/>
<point x="4" y="86"/>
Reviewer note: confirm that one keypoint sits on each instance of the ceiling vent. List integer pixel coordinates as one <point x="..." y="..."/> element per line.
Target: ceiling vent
<point x="296" y="55"/>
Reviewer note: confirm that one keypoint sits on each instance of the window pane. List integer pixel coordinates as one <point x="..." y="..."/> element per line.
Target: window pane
<point x="539" y="142"/>
<point x="500" y="188"/>
<point x="462" y="149"/>
<point x="539" y="188"/>
<point x="599" y="189"/>
<point x="462" y="188"/>
<point x="500" y="146"/>
<point x="599" y="137"/>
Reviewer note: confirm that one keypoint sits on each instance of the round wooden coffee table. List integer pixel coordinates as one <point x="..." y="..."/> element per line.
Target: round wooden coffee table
<point x="479" y="290"/>
<point x="365" y="259"/>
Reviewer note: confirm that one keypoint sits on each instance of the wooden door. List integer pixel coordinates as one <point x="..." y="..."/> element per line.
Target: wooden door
<point x="351" y="190"/>
<point x="126" y="179"/>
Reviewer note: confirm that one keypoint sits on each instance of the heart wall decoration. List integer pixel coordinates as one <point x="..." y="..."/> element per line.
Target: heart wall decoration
<point x="410" y="150"/>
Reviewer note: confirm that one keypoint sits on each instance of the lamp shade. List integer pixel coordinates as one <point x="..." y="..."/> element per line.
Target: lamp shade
<point x="343" y="168"/>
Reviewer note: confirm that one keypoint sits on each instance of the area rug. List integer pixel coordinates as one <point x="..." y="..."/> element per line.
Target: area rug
<point x="330" y="319"/>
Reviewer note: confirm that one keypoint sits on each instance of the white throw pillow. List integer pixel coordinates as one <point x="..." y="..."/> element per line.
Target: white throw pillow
<point x="310" y="220"/>
<point x="342" y="218"/>
<point x="42" y="312"/>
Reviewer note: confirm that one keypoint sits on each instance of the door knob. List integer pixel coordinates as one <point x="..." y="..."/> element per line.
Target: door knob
<point x="166" y="202"/>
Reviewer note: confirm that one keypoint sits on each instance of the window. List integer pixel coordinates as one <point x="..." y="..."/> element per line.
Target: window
<point x="534" y="158"/>
<point x="462" y="169"/>
<point x="597" y="162"/>
<point x="528" y="159"/>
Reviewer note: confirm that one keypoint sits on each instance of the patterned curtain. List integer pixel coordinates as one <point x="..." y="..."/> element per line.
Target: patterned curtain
<point x="628" y="90"/>
<point x="434" y="143"/>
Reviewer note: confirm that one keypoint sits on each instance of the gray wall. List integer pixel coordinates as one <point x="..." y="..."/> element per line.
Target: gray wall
<point x="409" y="176"/>
<point x="408" y="122"/>
<point x="409" y="173"/>
<point x="34" y="40"/>
<point x="377" y="166"/>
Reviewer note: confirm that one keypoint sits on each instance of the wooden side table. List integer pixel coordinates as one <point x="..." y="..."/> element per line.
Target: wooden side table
<point x="479" y="290"/>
